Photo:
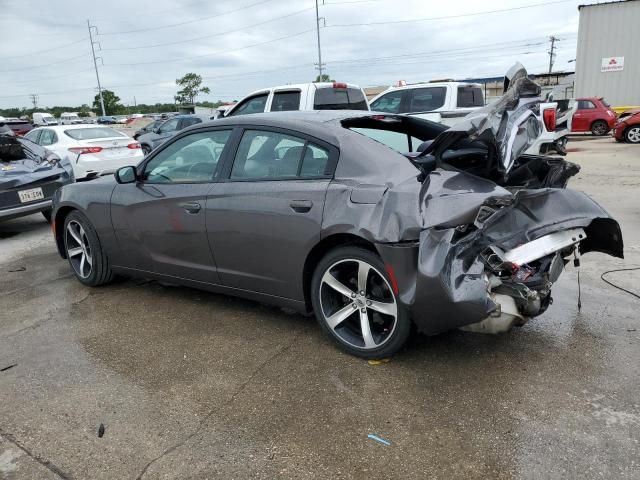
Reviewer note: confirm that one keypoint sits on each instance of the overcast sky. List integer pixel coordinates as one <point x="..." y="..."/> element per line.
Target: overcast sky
<point x="243" y="45"/>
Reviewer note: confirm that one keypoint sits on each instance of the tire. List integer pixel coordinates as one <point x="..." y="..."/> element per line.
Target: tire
<point x="146" y="149"/>
<point x="632" y="134"/>
<point x="599" y="128"/>
<point x="47" y="215"/>
<point x="341" y="309"/>
<point x="81" y="242"/>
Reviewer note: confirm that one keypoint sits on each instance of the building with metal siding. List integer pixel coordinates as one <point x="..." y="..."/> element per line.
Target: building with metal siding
<point x="608" y="57"/>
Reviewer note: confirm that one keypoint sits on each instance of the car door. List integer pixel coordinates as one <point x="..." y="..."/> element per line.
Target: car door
<point x="159" y="221"/>
<point x="265" y="214"/>
<point x="166" y="131"/>
<point x="583" y="117"/>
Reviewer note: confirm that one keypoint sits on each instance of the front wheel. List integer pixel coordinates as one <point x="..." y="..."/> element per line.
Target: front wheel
<point x="88" y="260"/>
<point x="356" y="305"/>
<point x="599" y="128"/>
<point x="632" y="135"/>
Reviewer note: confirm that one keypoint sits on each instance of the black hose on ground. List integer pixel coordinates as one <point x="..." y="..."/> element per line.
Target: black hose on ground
<point x="618" y="286"/>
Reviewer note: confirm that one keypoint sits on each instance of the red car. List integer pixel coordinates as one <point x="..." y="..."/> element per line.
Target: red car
<point x="628" y="129"/>
<point x="593" y="115"/>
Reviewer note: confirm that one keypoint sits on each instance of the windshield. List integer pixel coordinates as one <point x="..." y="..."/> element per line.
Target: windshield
<point x="93" y="133"/>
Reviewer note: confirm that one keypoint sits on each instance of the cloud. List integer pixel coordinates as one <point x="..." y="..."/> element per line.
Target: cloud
<point x="232" y="49"/>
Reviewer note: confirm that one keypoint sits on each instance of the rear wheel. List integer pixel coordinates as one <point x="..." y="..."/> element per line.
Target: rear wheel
<point x="599" y="128"/>
<point x="84" y="252"/>
<point x="355" y="304"/>
<point x="632" y="135"/>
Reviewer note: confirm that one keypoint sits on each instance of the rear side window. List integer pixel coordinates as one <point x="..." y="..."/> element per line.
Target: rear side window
<point x="265" y="155"/>
<point x="251" y="105"/>
<point x="389" y="103"/>
<point x="330" y="98"/>
<point x="285" y="101"/>
<point x="93" y="132"/>
<point x="469" y="96"/>
<point x="427" y="99"/>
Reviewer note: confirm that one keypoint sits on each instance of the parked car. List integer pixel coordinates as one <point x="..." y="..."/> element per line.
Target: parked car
<point x="593" y="115"/>
<point x="41" y="119"/>
<point x="168" y="129"/>
<point x="307" y="210"/>
<point x="19" y="127"/>
<point x="70" y="118"/>
<point x="92" y="150"/>
<point x="147" y="128"/>
<point x="29" y="175"/>
<point x="443" y="102"/>
<point x="106" y="120"/>
<point x="628" y="129"/>
<point x="121" y="119"/>
<point x="304" y="96"/>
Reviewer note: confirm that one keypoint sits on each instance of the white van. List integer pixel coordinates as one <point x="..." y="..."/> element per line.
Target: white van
<point x="44" y="119"/>
<point x="70" y="118"/>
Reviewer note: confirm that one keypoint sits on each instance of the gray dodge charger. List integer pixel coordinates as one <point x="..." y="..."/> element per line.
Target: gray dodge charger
<point x="377" y="223"/>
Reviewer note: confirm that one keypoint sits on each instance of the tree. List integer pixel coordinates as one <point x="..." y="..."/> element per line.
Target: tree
<point x="323" y="78"/>
<point x="111" y="105"/>
<point x="191" y="85"/>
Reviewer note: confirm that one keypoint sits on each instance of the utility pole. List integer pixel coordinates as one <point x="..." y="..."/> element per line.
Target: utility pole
<point x="34" y="100"/>
<point x="552" y="55"/>
<point x="95" y="64"/>
<point x="318" y="18"/>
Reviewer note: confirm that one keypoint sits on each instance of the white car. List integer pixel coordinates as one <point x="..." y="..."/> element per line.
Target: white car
<point x="92" y="150"/>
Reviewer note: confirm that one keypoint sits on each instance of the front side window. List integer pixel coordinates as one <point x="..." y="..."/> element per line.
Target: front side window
<point x="251" y="105"/>
<point x="585" y="105"/>
<point x="389" y="103"/>
<point x="427" y="99"/>
<point x="285" y="101"/>
<point x="48" y="137"/>
<point x="265" y="155"/>
<point x="169" y="126"/>
<point x="193" y="158"/>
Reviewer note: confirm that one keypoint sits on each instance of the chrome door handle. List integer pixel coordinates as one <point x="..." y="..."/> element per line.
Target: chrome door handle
<point x="191" y="207"/>
<point x="301" y="206"/>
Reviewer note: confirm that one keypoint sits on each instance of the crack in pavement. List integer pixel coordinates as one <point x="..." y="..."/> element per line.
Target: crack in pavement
<point x="45" y="463"/>
<point x="240" y="389"/>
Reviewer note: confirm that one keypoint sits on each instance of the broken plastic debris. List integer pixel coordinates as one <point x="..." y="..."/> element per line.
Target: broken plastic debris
<point x="378" y="439"/>
<point x="379" y="362"/>
<point x="101" y="430"/>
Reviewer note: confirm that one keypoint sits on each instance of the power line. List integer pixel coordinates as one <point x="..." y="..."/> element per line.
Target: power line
<point x="46" y="65"/>
<point x="446" y="17"/>
<point x="219" y="52"/>
<point x="212" y="35"/>
<point x="187" y="22"/>
<point x="47" y="50"/>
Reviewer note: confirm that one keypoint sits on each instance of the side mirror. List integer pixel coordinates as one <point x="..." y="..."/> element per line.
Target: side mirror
<point x="156" y="130"/>
<point x="126" y="175"/>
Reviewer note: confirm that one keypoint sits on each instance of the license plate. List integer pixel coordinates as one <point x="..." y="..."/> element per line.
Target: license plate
<point x="30" y="195"/>
<point x="116" y="151"/>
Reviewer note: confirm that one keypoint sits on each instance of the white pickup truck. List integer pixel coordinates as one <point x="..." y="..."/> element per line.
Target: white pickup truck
<point x="304" y="96"/>
<point x="442" y="102"/>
